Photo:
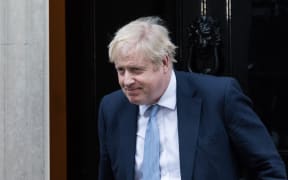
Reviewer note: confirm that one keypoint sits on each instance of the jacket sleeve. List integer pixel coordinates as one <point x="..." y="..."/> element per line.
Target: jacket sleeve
<point x="105" y="170"/>
<point x="249" y="136"/>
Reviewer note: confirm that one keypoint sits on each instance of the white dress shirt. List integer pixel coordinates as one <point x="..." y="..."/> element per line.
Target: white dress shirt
<point x="168" y="129"/>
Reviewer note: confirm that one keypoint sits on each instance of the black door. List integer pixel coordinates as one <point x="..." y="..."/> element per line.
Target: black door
<point x="90" y="26"/>
<point x="244" y="39"/>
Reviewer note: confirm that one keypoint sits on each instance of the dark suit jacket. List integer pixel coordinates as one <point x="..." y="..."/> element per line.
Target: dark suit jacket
<point x="218" y="131"/>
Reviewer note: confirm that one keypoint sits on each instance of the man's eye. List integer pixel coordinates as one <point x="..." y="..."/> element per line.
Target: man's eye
<point x="136" y="70"/>
<point x="120" y="71"/>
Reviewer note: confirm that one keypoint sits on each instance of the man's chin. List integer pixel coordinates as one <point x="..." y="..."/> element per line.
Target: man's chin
<point x="134" y="100"/>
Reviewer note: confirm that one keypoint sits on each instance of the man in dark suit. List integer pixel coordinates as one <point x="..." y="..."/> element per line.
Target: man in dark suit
<point x="206" y="126"/>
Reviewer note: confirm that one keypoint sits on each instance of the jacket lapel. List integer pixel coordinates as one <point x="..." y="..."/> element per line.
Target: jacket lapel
<point x="188" y="109"/>
<point x="128" y="144"/>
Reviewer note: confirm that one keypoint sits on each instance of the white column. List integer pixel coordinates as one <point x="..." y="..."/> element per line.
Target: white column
<point x="24" y="85"/>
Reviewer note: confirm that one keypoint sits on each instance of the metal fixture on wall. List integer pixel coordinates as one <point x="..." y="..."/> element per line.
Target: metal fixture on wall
<point x="229" y="34"/>
<point x="204" y="44"/>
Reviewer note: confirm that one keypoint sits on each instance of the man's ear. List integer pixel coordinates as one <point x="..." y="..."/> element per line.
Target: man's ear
<point x="165" y="63"/>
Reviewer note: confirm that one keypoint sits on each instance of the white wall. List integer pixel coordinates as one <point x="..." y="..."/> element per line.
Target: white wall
<point x="24" y="85"/>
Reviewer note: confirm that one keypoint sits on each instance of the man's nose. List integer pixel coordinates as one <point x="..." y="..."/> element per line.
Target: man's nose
<point x="128" y="79"/>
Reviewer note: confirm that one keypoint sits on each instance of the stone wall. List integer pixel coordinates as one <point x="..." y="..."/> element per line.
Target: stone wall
<point x="24" y="85"/>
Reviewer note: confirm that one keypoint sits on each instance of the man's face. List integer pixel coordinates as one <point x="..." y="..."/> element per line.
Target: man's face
<point x="142" y="81"/>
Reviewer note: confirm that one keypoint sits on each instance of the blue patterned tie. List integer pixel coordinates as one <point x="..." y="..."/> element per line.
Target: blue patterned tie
<point x="151" y="166"/>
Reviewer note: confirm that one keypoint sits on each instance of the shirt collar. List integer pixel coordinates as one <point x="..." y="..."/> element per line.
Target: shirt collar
<point x="168" y="99"/>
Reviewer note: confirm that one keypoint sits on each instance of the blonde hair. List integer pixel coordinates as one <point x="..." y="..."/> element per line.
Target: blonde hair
<point x="146" y="35"/>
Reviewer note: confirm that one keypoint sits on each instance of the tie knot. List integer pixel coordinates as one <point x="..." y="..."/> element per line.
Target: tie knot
<point x="154" y="110"/>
